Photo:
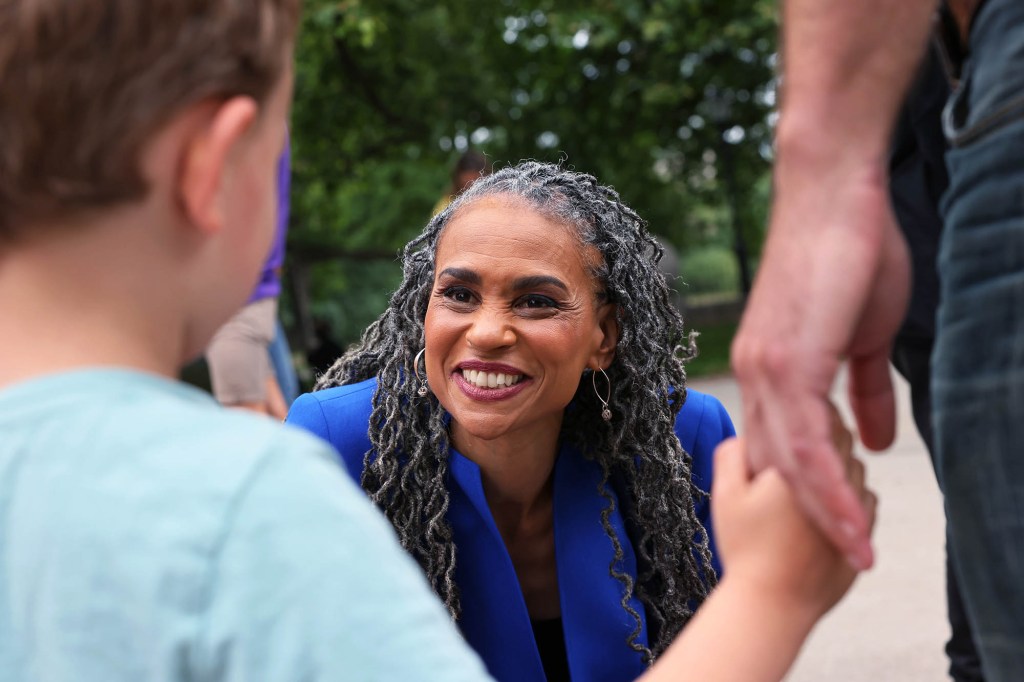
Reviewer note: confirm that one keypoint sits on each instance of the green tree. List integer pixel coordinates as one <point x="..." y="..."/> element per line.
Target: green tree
<point x="645" y="95"/>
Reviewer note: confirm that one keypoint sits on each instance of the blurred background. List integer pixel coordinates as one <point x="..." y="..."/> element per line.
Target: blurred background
<point x="671" y="102"/>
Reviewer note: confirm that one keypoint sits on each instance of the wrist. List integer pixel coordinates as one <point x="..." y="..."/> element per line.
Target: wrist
<point x="818" y="143"/>
<point x="792" y="615"/>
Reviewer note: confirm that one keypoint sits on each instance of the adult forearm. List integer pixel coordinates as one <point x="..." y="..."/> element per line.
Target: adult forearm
<point x="833" y="278"/>
<point x="846" y="66"/>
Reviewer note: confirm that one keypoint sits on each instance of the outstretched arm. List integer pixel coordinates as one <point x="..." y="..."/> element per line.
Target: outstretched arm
<point x="834" y="278"/>
<point x="781" y="576"/>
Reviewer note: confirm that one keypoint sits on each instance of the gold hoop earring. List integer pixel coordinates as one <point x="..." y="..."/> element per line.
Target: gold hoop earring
<point x="424" y="386"/>
<point x="606" y="413"/>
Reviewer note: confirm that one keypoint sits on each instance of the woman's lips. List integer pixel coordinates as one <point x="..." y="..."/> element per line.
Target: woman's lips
<point x="482" y="379"/>
<point x="489" y="381"/>
<point x="484" y="366"/>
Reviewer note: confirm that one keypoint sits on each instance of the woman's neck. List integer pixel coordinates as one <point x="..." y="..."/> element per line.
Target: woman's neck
<point x="518" y="481"/>
<point x="516" y="468"/>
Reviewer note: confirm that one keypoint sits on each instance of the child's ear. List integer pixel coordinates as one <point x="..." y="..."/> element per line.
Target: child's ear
<point x="608" y="328"/>
<point x="206" y="162"/>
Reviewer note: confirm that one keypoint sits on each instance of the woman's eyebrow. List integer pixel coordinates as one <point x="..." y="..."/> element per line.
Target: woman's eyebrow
<point x="462" y="274"/>
<point x="520" y="284"/>
<point x="534" y="281"/>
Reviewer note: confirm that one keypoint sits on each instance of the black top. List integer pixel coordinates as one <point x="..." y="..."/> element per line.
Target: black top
<point x="551" y="644"/>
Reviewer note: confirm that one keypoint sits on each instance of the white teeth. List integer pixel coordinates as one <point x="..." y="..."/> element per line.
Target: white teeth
<point x="483" y="379"/>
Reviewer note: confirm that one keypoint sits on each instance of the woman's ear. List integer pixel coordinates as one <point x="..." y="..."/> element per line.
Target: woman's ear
<point x="206" y="162"/>
<point x="608" y="340"/>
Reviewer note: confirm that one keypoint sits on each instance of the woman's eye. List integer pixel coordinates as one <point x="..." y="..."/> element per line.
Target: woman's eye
<point x="458" y="294"/>
<point x="537" y="301"/>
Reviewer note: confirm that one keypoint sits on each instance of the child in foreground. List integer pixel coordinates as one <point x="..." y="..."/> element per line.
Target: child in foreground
<point x="148" y="534"/>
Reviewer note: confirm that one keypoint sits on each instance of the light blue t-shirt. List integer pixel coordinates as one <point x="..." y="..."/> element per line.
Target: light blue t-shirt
<point x="147" y="534"/>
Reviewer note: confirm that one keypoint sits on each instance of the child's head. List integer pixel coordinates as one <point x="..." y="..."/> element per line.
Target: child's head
<point x="177" y="106"/>
<point x="87" y="83"/>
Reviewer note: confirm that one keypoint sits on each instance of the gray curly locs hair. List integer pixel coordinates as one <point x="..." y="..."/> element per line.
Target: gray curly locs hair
<point x="642" y="460"/>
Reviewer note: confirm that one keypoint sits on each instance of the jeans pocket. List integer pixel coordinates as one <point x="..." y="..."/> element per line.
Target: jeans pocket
<point x="963" y="126"/>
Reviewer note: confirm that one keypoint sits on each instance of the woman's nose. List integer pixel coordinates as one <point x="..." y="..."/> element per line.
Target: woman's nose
<point x="490" y="329"/>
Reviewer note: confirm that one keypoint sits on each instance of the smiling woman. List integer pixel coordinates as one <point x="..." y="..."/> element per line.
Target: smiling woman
<point x="556" y="451"/>
<point x="514" y="320"/>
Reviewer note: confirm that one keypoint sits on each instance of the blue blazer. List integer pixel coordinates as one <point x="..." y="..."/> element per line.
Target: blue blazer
<point x="494" y="618"/>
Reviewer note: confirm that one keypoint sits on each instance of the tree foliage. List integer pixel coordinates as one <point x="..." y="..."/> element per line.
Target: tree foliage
<point x="642" y="94"/>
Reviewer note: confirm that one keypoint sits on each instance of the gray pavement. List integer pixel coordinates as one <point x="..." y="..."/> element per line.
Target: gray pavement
<point x="892" y="625"/>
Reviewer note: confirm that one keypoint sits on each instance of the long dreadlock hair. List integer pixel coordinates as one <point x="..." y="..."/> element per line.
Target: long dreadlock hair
<point x="638" y="451"/>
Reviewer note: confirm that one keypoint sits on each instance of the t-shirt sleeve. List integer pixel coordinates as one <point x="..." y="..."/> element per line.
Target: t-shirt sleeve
<point x="311" y="584"/>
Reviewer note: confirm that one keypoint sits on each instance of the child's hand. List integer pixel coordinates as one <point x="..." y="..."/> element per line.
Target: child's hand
<point x="766" y="540"/>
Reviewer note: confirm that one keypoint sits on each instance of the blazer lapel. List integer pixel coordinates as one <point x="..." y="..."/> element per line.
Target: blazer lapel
<point x="596" y="626"/>
<point x="494" y="618"/>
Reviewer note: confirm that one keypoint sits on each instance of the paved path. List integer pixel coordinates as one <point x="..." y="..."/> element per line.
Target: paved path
<point x="892" y="625"/>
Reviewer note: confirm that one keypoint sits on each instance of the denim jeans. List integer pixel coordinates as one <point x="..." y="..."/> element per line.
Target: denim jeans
<point x="917" y="181"/>
<point x="978" y="365"/>
<point x="912" y="360"/>
<point x="284" y="368"/>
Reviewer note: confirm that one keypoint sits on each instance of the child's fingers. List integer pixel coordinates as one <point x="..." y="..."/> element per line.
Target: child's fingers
<point x="856" y="472"/>
<point x="842" y="437"/>
<point x="732" y="471"/>
<point x="870" y="502"/>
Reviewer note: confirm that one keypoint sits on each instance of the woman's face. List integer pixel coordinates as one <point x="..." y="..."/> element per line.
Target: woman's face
<point x="513" y="320"/>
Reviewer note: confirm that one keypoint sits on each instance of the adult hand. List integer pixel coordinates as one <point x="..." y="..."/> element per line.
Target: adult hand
<point x="832" y="286"/>
<point x="766" y="542"/>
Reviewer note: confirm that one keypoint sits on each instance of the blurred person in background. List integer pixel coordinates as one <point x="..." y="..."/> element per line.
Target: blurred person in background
<point x="471" y="165"/>
<point x="242" y="355"/>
